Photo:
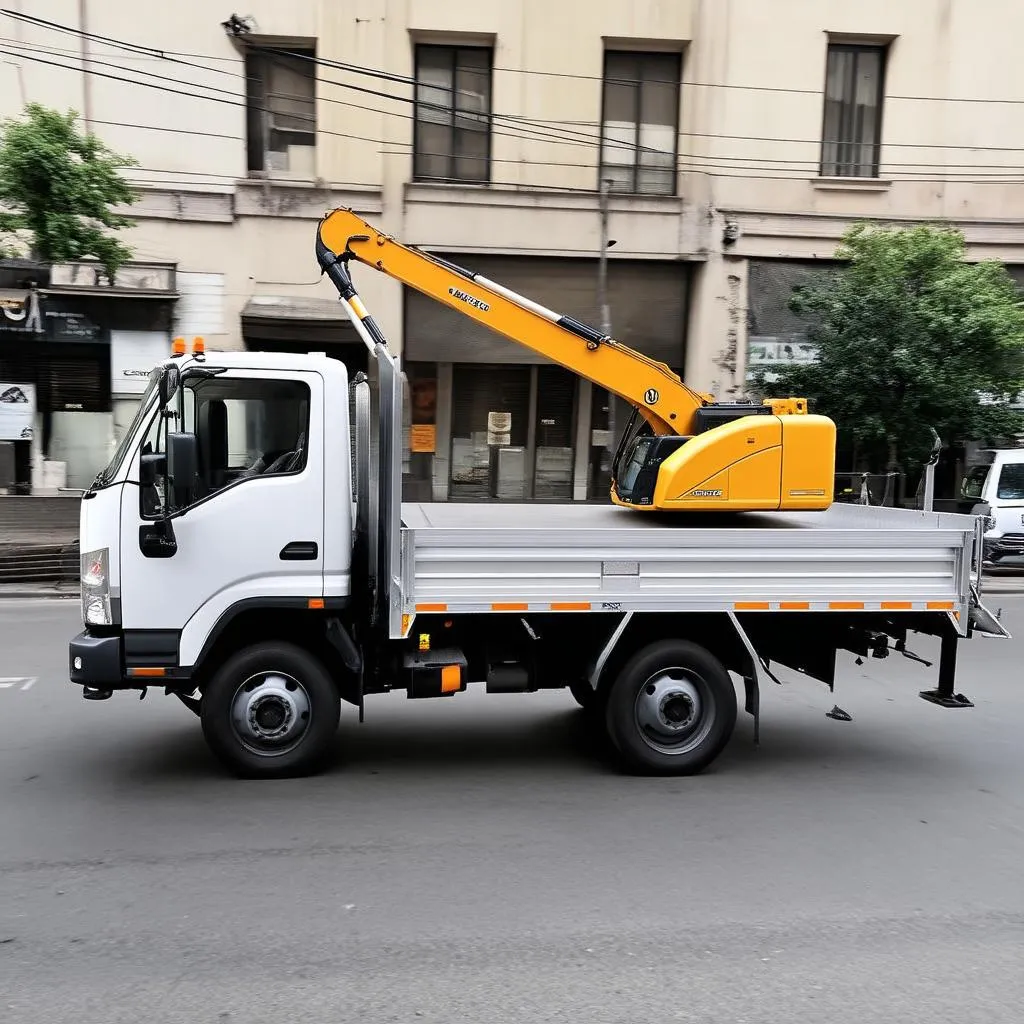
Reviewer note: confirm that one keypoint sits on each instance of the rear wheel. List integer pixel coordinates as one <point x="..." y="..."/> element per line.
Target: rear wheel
<point x="671" y="710"/>
<point x="271" y="711"/>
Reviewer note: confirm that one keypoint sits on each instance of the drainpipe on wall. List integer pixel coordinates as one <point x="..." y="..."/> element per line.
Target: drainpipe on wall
<point x="83" y="46"/>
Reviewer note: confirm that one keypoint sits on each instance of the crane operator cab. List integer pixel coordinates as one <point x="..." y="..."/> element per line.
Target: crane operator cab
<point x="739" y="456"/>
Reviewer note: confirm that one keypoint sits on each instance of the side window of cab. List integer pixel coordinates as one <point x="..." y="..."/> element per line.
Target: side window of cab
<point x="246" y="429"/>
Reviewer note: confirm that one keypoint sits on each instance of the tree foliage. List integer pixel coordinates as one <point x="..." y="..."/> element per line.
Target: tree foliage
<point x="909" y="335"/>
<point x="57" y="187"/>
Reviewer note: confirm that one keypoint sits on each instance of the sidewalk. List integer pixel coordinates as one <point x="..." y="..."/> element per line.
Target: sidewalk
<point x="33" y="591"/>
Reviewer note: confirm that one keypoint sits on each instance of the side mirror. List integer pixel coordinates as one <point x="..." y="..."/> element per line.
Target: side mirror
<point x="170" y="378"/>
<point x="182" y="468"/>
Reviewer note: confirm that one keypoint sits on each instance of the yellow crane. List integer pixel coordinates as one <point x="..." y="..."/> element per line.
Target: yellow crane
<point x="681" y="449"/>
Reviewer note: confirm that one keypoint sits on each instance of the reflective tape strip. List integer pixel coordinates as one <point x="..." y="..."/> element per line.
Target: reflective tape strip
<point x="571" y="606"/>
<point x="431" y="607"/>
<point x="510" y="606"/>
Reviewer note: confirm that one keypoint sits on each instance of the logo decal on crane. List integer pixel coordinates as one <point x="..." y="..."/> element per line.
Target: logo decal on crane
<point x="469" y="299"/>
<point x="651" y="396"/>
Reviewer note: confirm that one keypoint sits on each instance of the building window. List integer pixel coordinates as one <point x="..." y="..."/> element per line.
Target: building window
<point x="852" y="135"/>
<point x="639" y="130"/>
<point x="281" y="113"/>
<point x="452" y="130"/>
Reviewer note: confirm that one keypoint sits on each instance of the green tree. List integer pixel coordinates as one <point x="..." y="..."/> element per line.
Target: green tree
<point x="909" y="335"/>
<point x="57" y="187"/>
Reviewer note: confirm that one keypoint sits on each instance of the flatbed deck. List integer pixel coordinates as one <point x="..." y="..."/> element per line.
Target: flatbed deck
<point x="541" y="558"/>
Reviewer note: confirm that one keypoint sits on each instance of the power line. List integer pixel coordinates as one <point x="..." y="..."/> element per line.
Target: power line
<point x="359" y="69"/>
<point x="520" y="120"/>
<point x="711" y="169"/>
<point x="690" y="162"/>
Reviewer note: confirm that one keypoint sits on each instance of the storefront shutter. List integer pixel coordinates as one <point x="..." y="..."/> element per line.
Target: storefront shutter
<point x="69" y="378"/>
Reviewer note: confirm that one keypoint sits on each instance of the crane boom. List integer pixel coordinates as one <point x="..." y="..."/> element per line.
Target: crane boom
<point x="682" y="450"/>
<point x="650" y="386"/>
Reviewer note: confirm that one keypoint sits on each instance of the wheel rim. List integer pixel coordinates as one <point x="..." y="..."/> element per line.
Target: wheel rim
<point x="674" y="711"/>
<point x="270" y="713"/>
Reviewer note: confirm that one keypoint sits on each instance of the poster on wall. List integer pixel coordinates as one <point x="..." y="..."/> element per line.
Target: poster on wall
<point x="17" y="411"/>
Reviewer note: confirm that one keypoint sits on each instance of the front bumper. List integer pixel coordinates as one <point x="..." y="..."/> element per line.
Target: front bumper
<point x="1004" y="545"/>
<point x="97" y="661"/>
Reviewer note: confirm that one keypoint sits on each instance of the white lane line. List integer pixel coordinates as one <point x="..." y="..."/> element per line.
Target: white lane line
<point x="21" y="682"/>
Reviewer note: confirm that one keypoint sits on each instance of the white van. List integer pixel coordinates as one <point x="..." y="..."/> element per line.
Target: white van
<point x="995" y="481"/>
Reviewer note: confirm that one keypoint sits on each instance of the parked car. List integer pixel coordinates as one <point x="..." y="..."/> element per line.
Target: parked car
<point x="994" y="482"/>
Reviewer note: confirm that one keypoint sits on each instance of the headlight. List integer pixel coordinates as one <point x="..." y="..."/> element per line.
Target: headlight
<point x="95" y="577"/>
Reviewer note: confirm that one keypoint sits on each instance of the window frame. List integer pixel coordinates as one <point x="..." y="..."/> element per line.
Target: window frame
<point x="453" y="49"/>
<point x="635" y="166"/>
<point x="832" y="170"/>
<point x="179" y="417"/>
<point x="258" y="60"/>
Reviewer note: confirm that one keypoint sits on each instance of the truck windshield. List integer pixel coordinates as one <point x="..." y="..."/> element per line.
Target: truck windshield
<point x="1011" y="482"/>
<point x="106" y="475"/>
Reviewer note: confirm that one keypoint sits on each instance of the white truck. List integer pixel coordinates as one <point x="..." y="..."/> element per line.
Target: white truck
<point x="247" y="551"/>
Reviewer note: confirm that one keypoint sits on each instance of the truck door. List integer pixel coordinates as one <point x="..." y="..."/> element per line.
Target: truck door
<point x="254" y="530"/>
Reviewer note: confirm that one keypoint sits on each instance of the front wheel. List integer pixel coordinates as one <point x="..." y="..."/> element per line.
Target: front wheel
<point x="271" y="711"/>
<point x="671" y="710"/>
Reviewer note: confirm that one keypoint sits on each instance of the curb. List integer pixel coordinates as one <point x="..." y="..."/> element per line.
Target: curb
<point x="32" y="595"/>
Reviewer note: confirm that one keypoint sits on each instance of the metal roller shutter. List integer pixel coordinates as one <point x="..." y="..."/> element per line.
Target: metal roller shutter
<point x="72" y="377"/>
<point x="648" y="302"/>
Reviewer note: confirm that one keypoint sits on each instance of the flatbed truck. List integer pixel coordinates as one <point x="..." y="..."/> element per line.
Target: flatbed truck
<point x="247" y="550"/>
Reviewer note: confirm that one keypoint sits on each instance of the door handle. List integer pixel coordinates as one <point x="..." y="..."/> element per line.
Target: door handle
<point x="299" y="551"/>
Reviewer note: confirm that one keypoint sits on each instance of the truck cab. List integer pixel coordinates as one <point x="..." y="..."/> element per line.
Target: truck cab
<point x="229" y="494"/>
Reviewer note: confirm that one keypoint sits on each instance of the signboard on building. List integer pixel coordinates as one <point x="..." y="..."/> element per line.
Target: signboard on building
<point x="133" y="354"/>
<point x="35" y="315"/>
<point x="17" y="411"/>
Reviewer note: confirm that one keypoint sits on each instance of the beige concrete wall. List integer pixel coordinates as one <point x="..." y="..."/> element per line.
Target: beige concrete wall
<point x="750" y="123"/>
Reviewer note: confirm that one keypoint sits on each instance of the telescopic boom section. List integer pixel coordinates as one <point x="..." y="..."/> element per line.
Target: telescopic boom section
<point x="664" y="401"/>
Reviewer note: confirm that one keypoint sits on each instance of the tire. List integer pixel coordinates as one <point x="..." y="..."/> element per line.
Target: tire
<point x="253" y="711"/>
<point x="671" y="710"/>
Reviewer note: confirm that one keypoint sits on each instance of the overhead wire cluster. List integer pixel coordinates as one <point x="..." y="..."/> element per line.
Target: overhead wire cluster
<point x="550" y="132"/>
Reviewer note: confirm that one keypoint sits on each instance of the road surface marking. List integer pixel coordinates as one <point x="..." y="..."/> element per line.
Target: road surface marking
<point x="17" y="682"/>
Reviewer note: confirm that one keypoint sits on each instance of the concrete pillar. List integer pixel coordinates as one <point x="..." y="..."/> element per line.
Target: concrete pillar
<point x="716" y="349"/>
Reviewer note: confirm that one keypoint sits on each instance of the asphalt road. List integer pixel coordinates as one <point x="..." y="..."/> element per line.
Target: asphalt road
<point x="475" y="859"/>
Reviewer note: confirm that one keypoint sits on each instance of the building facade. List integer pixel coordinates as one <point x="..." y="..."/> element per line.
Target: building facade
<point x="725" y="144"/>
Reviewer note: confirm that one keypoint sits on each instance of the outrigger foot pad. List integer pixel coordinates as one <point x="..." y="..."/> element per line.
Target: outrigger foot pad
<point x="946" y="700"/>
